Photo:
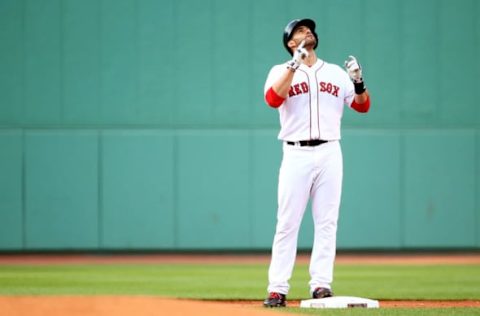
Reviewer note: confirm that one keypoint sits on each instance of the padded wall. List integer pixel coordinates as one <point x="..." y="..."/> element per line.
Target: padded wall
<point x="140" y="124"/>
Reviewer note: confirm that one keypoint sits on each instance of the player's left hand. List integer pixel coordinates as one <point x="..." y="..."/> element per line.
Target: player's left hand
<point x="354" y="69"/>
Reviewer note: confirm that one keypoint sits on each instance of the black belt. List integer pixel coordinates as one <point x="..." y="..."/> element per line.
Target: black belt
<point x="310" y="143"/>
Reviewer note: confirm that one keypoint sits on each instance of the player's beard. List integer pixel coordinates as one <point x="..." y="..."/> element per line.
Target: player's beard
<point x="310" y="42"/>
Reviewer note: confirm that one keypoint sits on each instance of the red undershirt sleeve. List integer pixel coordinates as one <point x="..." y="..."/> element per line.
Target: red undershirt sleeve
<point x="273" y="99"/>
<point x="363" y="107"/>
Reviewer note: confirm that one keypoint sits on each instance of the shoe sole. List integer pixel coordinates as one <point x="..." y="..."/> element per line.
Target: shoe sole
<point x="325" y="296"/>
<point x="274" y="306"/>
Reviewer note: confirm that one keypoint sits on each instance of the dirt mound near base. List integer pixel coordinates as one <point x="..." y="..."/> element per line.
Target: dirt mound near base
<point x="121" y="306"/>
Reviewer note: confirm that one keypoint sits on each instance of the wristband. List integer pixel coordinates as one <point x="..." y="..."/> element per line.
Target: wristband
<point x="359" y="87"/>
<point x="293" y="65"/>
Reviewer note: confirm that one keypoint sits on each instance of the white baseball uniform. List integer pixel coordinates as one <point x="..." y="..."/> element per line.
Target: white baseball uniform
<point x="312" y="110"/>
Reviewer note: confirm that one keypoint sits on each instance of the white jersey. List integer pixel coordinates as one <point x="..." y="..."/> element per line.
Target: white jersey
<point x="314" y="107"/>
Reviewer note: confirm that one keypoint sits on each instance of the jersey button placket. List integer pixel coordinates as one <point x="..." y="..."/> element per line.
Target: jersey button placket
<point x="315" y="106"/>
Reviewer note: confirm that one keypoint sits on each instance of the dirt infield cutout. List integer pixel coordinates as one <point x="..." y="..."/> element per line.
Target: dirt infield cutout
<point x="119" y="306"/>
<point x="154" y="306"/>
<point x="357" y="259"/>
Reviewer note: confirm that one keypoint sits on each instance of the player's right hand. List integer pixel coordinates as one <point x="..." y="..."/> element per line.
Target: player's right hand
<point x="300" y="53"/>
<point x="299" y="56"/>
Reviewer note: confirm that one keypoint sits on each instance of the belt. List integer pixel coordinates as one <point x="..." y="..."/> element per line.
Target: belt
<point x="310" y="143"/>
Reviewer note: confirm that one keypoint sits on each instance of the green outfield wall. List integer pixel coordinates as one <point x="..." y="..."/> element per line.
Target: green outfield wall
<point x="140" y="124"/>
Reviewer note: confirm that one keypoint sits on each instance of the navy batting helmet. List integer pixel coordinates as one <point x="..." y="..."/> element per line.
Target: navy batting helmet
<point x="292" y="25"/>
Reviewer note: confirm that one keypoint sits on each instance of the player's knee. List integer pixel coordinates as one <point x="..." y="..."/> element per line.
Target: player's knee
<point x="287" y="228"/>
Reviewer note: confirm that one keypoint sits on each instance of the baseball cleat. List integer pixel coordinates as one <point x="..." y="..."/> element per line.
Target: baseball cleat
<point x="321" y="292"/>
<point x="275" y="300"/>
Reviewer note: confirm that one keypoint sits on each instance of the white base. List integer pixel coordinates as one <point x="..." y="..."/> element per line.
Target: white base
<point x="339" y="302"/>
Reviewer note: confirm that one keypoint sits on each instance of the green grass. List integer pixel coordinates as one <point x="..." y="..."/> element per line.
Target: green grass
<point x="215" y="282"/>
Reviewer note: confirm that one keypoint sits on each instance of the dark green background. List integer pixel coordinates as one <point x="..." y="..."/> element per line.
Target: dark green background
<point x="140" y="124"/>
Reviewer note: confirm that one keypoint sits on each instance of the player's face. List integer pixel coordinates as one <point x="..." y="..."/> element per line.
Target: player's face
<point x="304" y="33"/>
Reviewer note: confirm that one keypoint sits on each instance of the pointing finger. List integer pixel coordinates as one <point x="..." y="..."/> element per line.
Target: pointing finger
<point x="301" y="44"/>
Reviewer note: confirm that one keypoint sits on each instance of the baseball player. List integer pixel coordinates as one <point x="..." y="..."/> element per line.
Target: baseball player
<point x="310" y="95"/>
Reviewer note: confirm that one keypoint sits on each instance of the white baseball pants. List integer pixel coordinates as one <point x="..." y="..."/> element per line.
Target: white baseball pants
<point x="307" y="172"/>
